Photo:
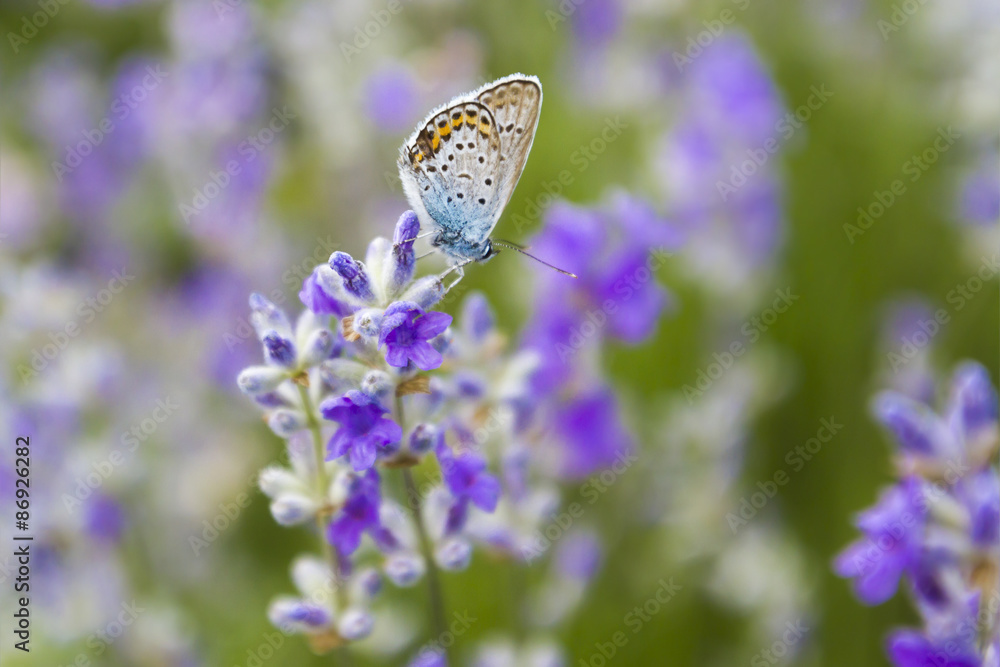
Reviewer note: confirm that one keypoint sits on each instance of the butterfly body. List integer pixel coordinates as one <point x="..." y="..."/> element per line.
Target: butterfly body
<point x="460" y="166"/>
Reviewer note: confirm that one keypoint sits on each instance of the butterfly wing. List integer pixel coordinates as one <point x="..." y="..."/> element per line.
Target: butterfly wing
<point x="448" y="169"/>
<point x="515" y="102"/>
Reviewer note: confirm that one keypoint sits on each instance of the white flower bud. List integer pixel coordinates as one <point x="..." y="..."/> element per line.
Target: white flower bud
<point x="275" y="480"/>
<point x="453" y="554"/>
<point x="285" y="422"/>
<point x="317" y="348"/>
<point x="290" y="509"/>
<point x="404" y="568"/>
<point x="355" y="624"/>
<point x="260" y="379"/>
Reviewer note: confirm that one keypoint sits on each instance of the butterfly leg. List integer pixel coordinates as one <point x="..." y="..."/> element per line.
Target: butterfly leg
<point x="418" y="236"/>
<point x="459" y="270"/>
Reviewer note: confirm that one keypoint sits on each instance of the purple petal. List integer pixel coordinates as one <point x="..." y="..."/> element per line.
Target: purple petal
<point x="425" y="356"/>
<point x="397" y="357"/>
<point x="485" y="493"/>
<point x="432" y="324"/>
<point x="338" y="444"/>
<point x="390" y="322"/>
<point x="362" y="453"/>
<point x="387" y="430"/>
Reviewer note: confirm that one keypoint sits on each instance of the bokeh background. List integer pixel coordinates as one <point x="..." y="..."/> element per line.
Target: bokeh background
<point x="118" y="115"/>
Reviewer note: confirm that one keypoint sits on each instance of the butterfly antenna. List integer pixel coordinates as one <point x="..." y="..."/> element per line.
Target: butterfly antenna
<point x="514" y="246"/>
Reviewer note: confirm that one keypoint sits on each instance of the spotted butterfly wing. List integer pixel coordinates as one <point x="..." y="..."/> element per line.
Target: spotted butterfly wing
<point x="447" y="169"/>
<point x="515" y="102"/>
<point x="460" y="166"/>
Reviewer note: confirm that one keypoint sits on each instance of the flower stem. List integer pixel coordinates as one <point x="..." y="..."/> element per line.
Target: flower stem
<point x="322" y="487"/>
<point x="433" y="577"/>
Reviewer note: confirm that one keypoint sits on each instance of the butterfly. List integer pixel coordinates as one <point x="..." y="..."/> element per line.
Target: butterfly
<point x="460" y="166"/>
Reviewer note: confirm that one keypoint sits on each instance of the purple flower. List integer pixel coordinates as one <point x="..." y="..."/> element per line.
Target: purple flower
<point x="467" y="480"/>
<point x="732" y="88"/>
<point x="363" y="429"/>
<point x="359" y="513"/>
<point x="630" y="284"/>
<point x="909" y="648"/>
<point x="318" y="300"/>
<point x="615" y="253"/>
<point x="591" y="433"/>
<point x="406" y="328"/>
<point x="730" y="107"/>
<point x="893" y="533"/>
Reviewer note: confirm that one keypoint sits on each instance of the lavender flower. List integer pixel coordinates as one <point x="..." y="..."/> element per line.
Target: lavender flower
<point x="732" y="215"/>
<point x="372" y="381"/>
<point x="938" y="526"/>
<point x="893" y="541"/>
<point x="405" y="332"/>
<point x="364" y="431"/>
<point x="360" y="512"/>
<point x="466" y="478"/>
<point x="592" y="433"/>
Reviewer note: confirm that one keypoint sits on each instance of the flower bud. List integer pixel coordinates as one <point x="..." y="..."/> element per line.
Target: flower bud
<point x="404" y="568"/>
<point x="285" y="422"/>
<point x="290" y="509"/>
<point x="974" y="400"/>
<point x="424" y="438"/>
<point x="403" y="257"/>
<point x="318" y="347"/>
<point x="916" y="428"/>
<point x="266" y="316"/>
<point x="260" y="379"/>
<point x="367" y="322"/>
<point x="278" y="349"/>
<point x="355" y="624"/>
<point x="453" y="554"/>
<point x="291" y="614"/>
<point x="469" y="385"/>
<point x="353" y="276"/>
<point x="319" y="295"/>
<point x="376" y="384"/>
<point x="313" y="576"/>
<point x="275" y="480"/>
<point x="425" y="292"/>
<point x="270" y="399"/>
<point x="477" y="318"/>
<point x="365" y="584"/>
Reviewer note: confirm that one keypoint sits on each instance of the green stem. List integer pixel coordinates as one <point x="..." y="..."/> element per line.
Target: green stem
<point x="322" y="481"/>
<point x="433" y="576"/>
